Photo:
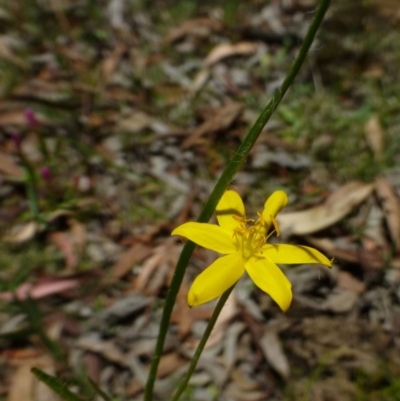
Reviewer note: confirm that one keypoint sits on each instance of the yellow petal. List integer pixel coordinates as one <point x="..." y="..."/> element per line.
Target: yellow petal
<point x="230" y="205"/>
<point x="216" y="279"/>
<point x="209" y="236"/>
<point x="269" y="277"/>
<point x="295" y="254"/>
<point x="273" y="205"/>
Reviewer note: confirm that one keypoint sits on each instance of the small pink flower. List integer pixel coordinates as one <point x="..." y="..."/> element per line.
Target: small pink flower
<point x="30" y="117"/>
<point x="16" y="138"/>
<point x="45" y="173"/>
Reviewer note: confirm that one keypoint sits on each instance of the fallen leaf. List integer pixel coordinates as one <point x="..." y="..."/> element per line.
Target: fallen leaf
<point x="346" y="281"/>
<point x="21" y="386"/>
<point x="7" y="53"/>
<point x="169" y="363"/>
<point x="330" y="247"/>
<point x="25" y="386"/>
<point x="107" y="349"/>
<point x="78" y="233"/>
<point x="223" y="119"/>
<point x="136" y="122"/>
<point x="374" y="135"/>
<point x="136" y="254"/>
<point x="41" y="289"/>
<point x="9" y="167"/>
<point x="274" y="354"/>
<point x="50" y="91"/>
<point x="56" y="214"/>
<point x="391" y="209"/>
<point x="336" y="206"/>
<point x="18" y="118"/>
<point x="227" y="313"/>
<point x="340" y="301"/>
<point x="182" y="314"/>
<point x="225" y="50"/>
<point x="231" y="344"/>
<point x="111" y="62"/>
<point x="63" y="243"/>
<point x="243" y="381"/>
<point x="200" y="27"/>
<point x="352" y="253"/>
<point x="21" y="233"/>
<point x="149" y="267"/>
<point x="374" y="227"/>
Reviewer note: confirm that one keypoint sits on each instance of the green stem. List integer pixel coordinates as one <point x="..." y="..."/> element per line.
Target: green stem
<point x="31" y="190"/>
<point x="202" y="343"/>
<point x="220" y="187"/>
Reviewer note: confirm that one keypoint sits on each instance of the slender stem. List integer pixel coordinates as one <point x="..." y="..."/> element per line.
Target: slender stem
<point x="202" y="343"/>
<point x="31" y="190"/>
<point x="222" y="184"/>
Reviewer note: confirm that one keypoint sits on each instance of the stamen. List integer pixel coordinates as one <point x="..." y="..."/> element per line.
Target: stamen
<point x="261" y="242"/>
<point x="242" y="219"/>
<point x="261" y="218"/>
<point x="269" y="235"/>
<point x="276" y="225"/>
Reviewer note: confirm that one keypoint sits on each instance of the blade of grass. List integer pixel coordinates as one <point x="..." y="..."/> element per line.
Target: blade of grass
<point x="30" y="308"/>
<point x="56" y="385"/>
<point x="99" y="391"/>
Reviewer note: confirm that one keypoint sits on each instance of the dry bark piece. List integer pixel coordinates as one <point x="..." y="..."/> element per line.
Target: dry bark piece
<point x="225" y="50"/>
<point x="391" y="209"/>
<point x="336" y="206"/>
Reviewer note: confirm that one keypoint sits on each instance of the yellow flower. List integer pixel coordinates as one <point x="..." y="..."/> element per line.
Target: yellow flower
<point x="243" y="243"/>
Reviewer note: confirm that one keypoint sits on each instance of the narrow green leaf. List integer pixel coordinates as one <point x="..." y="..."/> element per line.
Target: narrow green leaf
<point x="99" y="391"/>
<point x="57" y="385"/>
<point x="32" y="311"/>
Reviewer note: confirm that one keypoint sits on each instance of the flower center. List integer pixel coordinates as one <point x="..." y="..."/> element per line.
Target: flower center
<point x="251" y="235"/>
<point x="249" y="238"/>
